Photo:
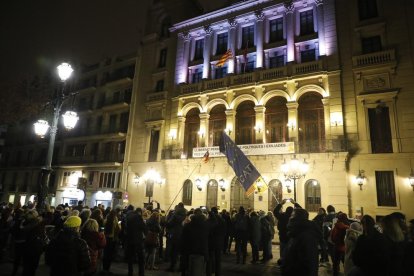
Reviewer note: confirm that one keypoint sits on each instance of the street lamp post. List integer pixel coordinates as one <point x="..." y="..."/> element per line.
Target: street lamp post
<point x="294" y="170"/>
<point x="41" y="127"/>
<point x="151" y="177"/>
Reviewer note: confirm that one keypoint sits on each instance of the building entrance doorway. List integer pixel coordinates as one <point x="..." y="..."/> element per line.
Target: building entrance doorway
<point x="238" y="196"/>
<point x="212" y="193"/>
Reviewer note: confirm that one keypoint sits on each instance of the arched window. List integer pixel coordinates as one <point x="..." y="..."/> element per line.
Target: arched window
<point x="276" y="120"/>
<point x="187" y="192"/>
<point x="313" y="195"/>
<point x="192" y="126"/>
<point x="311" y="123"/>
<point x="245" y="122"/>
<point x="238" y="196"/>
<point x="216" y="125"/>
<point x="212" y="189"/>
<point x="275" y="189"/>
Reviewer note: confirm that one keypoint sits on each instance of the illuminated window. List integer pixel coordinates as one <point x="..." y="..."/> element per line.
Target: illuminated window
<point x="187" y="192"/>
<point x="306" y="22"/>
<point x="212" y="193"/>
<point x="380" y="129"/>
<point x="385" y="188"/>
<point x="276" y="189"/>
<point x="276" y="120"/>
<point x="221" y="43"/>
<point x="217" y="123"/>
<point x="313" y="195"/>
<point x="245" y="123"/>
<point x="192" y="126"/>
<point x="248" y="36"/>
<point x="199" y="48"/>
<point x="276" y="30"/>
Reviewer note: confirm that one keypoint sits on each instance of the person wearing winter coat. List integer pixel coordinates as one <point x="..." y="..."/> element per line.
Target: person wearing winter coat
<point x="96" y="241"/>
<point x="352" y="234"/>
<point x="135" y="230"/>
<point x="194" y="245"/>
<point x="254" y="235"/>
<point x="33" y="232"/>
<point x="217" y="231"/>
<point x="175" y="227"/>
<point x="266" y="236"/>
<point x="67" y="254"/>
<point x="302" y="248"/>
<point x="152" y="239"/>
<point x="241" y="234"/>
<point x="396" y="240"/>
<point x="338" y="236"/>
<point x="409" y="250"/>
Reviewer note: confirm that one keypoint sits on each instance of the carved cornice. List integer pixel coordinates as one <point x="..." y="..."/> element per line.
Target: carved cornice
<point x="232" y="22"/>
<point x="289" y="7"/>
<point x="208" y="30"/>
<point x="259" y="15"/>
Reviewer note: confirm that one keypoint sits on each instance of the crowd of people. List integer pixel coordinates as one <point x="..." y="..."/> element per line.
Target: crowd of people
<point x="78" y="240"/>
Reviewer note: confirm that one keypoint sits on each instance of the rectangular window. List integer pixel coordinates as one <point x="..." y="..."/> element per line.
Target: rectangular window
<point x="163" y="58"/>
<point x="108" y="179"/>
<point x="112" y="123"/>
<point x="371" y="44"/>
<point x="124" y="122"/>
<point x="380" y="129"/>
<point x="99" y="121"/>
<point x="307" y="55"/>
<point x="306" y="22"/>
<point x="101" y="101"/>
<point x="197" y="76"/>
<point x="107" y="151"/>
<point x="79" y="150"/>
<point x="367" y="9"/>
<point x="159" y="86"/>
<point x="221" y="43"/>
<point x="127" y="95"/>
<point x="153" y="151"/>
<point x="116" y="97"/>
<point x="221" y="72"/>
<point x="248" y="36"/>
<point x="385" y="188"/>
<point x="249" y="66"/>
<point x="277" y="61"/>
<point x="199" y="48"/>
<point x="276" y="30"/>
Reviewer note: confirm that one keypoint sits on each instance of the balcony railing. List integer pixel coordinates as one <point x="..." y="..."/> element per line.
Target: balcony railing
<point x="253" y="77"/>
<point x="374" y="58"/>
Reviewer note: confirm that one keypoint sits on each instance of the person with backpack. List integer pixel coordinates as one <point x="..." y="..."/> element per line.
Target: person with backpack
<point x="241" y="234"/>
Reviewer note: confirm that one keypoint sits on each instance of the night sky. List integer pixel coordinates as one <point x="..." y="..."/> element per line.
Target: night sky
<point x="37" y="35"/>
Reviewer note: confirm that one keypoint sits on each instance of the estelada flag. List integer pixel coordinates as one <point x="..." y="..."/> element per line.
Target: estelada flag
<point x="206" y="157"/>
<point x="224" y="58"/>
<point x="246" y="173"/>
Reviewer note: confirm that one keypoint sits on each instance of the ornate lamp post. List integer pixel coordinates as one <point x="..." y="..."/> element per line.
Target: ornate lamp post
<point x="151" y="177"/>
<point x="294" y="170"/>
<point x="41" y="127"/>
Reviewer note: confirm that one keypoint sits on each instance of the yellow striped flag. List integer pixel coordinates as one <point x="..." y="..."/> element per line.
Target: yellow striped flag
<point x="224" y="58"/>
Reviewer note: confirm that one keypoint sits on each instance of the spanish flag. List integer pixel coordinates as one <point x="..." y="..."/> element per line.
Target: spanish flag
<point x="206" y="157"/>
<point x="224" y="58"/>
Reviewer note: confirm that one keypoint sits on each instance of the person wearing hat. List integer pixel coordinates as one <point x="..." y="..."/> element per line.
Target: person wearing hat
<point x="68" y="254"/>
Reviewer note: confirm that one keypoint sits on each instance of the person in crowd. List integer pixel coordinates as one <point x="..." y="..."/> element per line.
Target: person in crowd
<point x="18" y="238"/>
<point x="168" y="237"/>
<point x="195" y="245"/>
<point x="338" y="236"/>
<point x="163" y="223"/>
<point x="112" y="229"/>
<point x="67" y="254"/>
<point x="319" y="219"/>
<point x="78" y="207"/>
<point x="400" y="217"/>
<point x="371" y="255"/>
<point x="302" y="249"/>
<point x="175" y="228"/>
<point x="267" y="233"/>
<point x="282" y="222"/>
<point x="409" y="250"/>
<point x="396" y="241"/>
<point x="241" y="234"/>
<point x="33" y="232"/>
<point x="85" y="214"/>
<point x="228" y="226"/>
<point x="217" y="231"/>
<point x="352" y="234"/>
<point x="134" y="242"/>
<point x="152" y="240"/>
<point x="254" y="235"/>
<point x="96" y="241"/>
<point x="97" y="215"/>
<point x="6" y="221"/>
<point x="328" y="223"/>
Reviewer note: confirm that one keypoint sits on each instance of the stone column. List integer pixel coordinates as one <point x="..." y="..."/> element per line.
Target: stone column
<point x="259" y="38"/>
<point x="181" y="131"/>
<point x="231" y="123"/>
<point x="327" y="119"/>
<point x="186" y="56"/>
<point x="260" y="124"/>
<point x="203" y="134"/>
<point x="293" y="122"/>
<point x="321" y="27"/>
<point x="207" y="52"/>
<point x="232" y="45"/>
<point x="290" y="37"/>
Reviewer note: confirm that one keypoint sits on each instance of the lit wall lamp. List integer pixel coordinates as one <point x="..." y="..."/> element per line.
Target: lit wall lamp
<point x="291" y="125"/>
<point x="360" y="179"/>
<point x="198" y="184"/>
<point x="136" y="179"/>
<point x="228" y="131"/>
<point x="336" y="119"/>
<point x="222" y="184"/>
<point x="288" y="184"/>
<point x="258" y="127"/>
<point x="201" y="133"/>
<point x="173" y="134"/>
<point x="411" y="179"/>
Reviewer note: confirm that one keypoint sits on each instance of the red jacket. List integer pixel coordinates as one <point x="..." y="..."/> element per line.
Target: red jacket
<point x="338" y="236"/>
<point x="96" y="241"/>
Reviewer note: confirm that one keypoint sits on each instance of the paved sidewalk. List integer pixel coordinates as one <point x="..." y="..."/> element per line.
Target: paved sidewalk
<point x="229" y="267"/>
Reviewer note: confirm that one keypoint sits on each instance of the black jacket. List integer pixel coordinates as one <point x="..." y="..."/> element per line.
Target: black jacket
<point x="67" y="254"/>
<point x="302" y="249"/>
<point x="135" y="229"/>
<point x="217" y="231"/>
<point x="195" y="237"/>
<point x="282" y="221"/>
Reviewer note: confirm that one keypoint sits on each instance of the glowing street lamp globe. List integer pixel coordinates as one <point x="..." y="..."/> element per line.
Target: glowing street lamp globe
<point x="41" y="127"/>
<point x="70" y="118"/>
<point x="64" y="71"/>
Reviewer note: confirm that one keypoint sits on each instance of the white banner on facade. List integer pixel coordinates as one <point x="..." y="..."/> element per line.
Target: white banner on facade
<point x="253" y="149"/>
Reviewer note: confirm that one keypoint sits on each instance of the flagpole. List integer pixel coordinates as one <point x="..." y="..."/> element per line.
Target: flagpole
<point x="182" y="186"/>
<point x="268" y="188"/>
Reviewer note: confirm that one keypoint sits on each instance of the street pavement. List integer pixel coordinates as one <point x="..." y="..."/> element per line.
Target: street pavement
<point x="229" y="267"/>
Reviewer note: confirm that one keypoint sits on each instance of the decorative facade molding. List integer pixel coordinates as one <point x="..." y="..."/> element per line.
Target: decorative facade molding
<point x="289" y="7"/>
<point x="232" y="22"/>
<point x="260" y="16"/>
<point x="318" y="2"/>
<point x="208" y="30"/>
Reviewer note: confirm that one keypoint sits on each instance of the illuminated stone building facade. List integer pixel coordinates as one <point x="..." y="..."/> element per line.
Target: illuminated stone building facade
<point x="336" y="85"/>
